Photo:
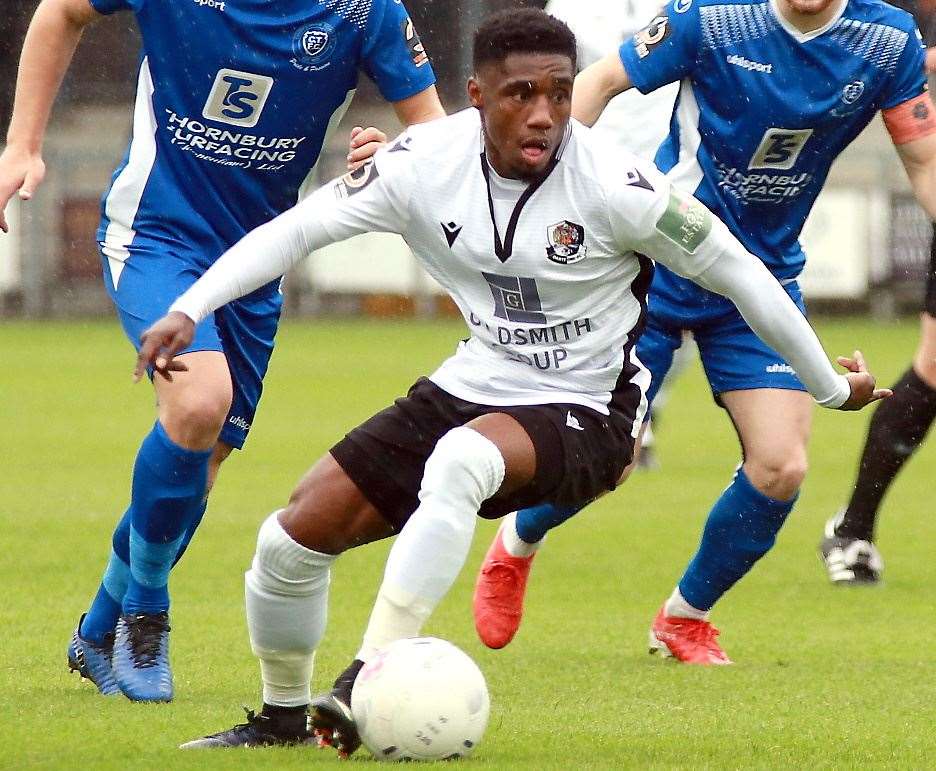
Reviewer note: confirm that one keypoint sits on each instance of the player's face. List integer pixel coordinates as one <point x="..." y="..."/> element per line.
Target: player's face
<point x="808" y="7"/>
<point x="525" y="103"/>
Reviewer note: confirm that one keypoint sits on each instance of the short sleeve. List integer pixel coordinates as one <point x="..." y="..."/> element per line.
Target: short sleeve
<point x="909" y="79"/>
<point x="108" y="7"/>
<point x="666" y="49"/>
<point x="394" y="57"/>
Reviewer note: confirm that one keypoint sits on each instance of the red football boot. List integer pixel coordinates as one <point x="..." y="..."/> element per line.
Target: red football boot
<point x="498" y="595"/>
<point x="690" y="640"/>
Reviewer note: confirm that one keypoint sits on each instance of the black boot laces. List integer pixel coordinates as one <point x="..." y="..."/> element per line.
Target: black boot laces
<point x="145" y="632"/>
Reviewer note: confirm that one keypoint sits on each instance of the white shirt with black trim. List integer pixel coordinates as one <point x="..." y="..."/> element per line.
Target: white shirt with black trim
<point x="553" y="294"/>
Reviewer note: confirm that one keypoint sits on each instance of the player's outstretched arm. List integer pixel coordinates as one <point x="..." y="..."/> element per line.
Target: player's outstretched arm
<point x="50" y="44"/>
<point x="767" y="308"/>
<point x="597" y="85"/>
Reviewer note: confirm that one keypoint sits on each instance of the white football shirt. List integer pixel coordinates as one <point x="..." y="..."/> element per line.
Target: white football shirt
<point x="550" y="277"/>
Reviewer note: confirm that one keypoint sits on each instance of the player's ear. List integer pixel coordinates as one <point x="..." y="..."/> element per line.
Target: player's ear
<point x="474" y="93"/>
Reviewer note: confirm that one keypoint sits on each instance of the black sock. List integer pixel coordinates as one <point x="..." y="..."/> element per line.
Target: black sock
<point x="898" y="427"/>
<point x="290" y="720"/>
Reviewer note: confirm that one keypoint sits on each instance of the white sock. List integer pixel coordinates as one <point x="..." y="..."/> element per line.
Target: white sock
<point x="513" y="543"/>
<point x="287" y="606"/>
<point x="677" y="606"/>
<point x="463" y="471"/>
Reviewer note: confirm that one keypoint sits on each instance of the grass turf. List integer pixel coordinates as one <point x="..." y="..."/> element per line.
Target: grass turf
<point x="824" y="677"/>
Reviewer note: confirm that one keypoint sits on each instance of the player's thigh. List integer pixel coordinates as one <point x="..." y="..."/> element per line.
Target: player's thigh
<point x="192" y="407"/>
<point x="773" y="426"/>
<point x="329" y="513"/>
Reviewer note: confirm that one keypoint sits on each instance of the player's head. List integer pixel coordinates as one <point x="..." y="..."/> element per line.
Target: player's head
<point x="524" y="65"/>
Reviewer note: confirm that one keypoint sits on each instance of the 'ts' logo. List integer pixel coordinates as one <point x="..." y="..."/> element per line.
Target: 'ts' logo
<point x="779" y="148"/>
<point x="237" y="98"/>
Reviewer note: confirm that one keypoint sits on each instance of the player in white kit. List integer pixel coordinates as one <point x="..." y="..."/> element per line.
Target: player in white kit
<point x="543" y="238"/>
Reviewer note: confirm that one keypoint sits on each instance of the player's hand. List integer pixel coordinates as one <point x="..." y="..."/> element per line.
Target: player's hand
<point x="862" y="383"/>
<point x="160" y="344"/>
<point x="20" y="171"/>
<point x="364" y="142"/>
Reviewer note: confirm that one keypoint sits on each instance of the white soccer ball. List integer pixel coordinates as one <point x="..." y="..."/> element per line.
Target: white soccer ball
<point x="420" y="699"/>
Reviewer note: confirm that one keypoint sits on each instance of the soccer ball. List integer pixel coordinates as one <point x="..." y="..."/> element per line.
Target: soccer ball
<point x="420" y="699"/>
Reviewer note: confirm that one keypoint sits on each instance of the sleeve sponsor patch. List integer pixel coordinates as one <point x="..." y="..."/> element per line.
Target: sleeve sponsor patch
<point x="685" y="221"/>
<point x="355" y="181"/>
<point x="414" y="44"/>
<point x="652" y="35"/>
<point x="914" y="119"/>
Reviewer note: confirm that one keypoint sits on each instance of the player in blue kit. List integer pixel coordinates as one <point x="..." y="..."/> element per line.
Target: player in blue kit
<point x="770" y="94"/>
<point x="234" y="103"/>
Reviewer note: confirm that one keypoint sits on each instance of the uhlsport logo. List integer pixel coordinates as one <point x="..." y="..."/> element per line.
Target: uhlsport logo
<point x="217" y="5"/>
<point x="237" y="98"/>
<point x="565" y="242"/>
<point x="312" y="45"/>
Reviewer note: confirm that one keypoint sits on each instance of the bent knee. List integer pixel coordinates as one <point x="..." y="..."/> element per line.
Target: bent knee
<point x="778" y="477"/>
<point x="197" y="417"/>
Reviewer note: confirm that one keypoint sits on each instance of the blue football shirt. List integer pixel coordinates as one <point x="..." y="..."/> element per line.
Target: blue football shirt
<point x="234" y="101"/>
<point x="764" y="109"/>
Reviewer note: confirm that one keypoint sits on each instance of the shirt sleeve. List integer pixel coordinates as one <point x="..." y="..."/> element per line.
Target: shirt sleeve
<point x="374" y="198"/>
<point x="108" y="7"/>
<point x="394" y="57"/>
<point x="666" y="50"/>
<point x="909" y="79"/>
<point x="649" y="216"/>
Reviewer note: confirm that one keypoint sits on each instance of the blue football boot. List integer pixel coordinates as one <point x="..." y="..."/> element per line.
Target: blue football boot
<point x="93" y="660"/>
<point x="141" y="657"/>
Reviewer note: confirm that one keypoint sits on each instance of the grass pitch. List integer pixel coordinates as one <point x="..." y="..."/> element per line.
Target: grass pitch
<point x="824" y="677"/>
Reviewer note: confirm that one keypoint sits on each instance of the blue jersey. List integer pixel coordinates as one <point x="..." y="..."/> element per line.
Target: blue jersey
<point x="764" y="109"/>
<point x="234" y="101"/>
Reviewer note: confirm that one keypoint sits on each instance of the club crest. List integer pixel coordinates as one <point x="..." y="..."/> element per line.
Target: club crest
<point x="565" y="242"/>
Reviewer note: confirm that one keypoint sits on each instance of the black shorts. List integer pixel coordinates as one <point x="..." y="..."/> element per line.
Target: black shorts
<point x="580" y="453"/>
<point x="929" y="304"/>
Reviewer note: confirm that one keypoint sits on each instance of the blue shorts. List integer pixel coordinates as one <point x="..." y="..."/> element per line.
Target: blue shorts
<point x="154" y="275"/>
<point x="734" y="358"/>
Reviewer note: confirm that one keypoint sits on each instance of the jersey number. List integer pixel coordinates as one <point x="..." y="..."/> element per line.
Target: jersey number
<point x="515" y="298"/>
<point x="779" y="148"/>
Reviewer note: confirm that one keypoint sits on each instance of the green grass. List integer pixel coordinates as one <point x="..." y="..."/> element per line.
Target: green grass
<point x="824" y="677"/>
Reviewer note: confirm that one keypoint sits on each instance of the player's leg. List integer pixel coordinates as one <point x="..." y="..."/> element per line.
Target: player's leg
<point x="490" y="455"/>
<point x="773" y="426"/>
<point x="898" y="427"/>
<point x="286" y="593"/>
<point x="505" y="570"/>
<point x="772" y="414"/>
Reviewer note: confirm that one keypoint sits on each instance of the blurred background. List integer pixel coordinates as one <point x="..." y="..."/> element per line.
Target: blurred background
<point x="867" y="240"/>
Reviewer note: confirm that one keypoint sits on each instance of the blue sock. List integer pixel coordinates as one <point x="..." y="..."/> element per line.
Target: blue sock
<point x="535" y="522"/>
<point x="168" y="495"/>
<point x="190" y="532"/>
<point x="101" y="617"/>
<point x="741" y="528"/>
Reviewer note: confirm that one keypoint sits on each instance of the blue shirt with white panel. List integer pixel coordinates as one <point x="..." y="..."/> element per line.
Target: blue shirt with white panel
<point x="235" y="99"/>
<point x="764" y="109"/>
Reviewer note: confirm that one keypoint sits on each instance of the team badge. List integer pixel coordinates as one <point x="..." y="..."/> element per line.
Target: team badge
<point x="651" y="36"/>
<point x="566" y="242"/>
<point x="312" y="45"/>
<point x="853" y="91"/>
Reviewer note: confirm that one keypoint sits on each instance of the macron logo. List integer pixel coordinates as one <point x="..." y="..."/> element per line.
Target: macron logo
<point x="572" y="422"/>
<point x="747" y="64"/>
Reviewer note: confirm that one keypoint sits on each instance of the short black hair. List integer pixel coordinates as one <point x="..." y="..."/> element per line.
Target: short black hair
<point x="522" y="31"/>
